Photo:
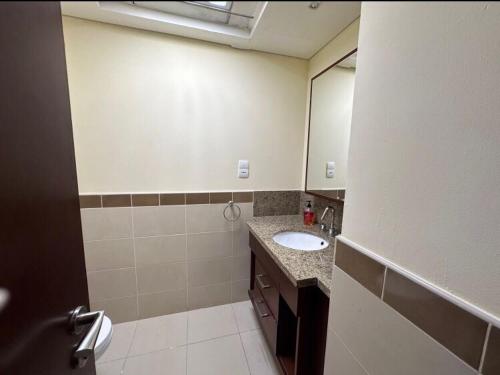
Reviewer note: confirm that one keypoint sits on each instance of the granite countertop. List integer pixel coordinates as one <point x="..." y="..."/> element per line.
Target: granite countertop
<point x="303" y="268"/>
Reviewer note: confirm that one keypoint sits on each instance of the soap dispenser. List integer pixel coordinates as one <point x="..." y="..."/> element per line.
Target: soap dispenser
<point x="308" y="214"/>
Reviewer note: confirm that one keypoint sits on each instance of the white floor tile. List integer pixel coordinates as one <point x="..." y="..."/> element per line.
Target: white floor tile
<point x="222" y="356"/>
<point x="259" y="357"/>
<point x="212" y="322"/>
<point x="110" y="368"/>
<point x="159" y="333"/>
<point x="245" y="316"/>
<point x="164" y="362"/>
<point x="120" y="342"/>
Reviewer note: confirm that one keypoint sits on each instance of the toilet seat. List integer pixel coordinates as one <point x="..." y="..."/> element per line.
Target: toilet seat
<point x="104" y="337"/>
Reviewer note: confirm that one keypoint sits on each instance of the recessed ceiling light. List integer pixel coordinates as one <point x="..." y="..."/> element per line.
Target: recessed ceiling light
<point x="314" y="4"/>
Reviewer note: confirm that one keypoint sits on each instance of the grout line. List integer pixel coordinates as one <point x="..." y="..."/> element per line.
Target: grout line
<point x="125" y="359"/>
<point x="186" y="266"/>
<point x="463" y="304"/>
<point x="135" y="264"/>
<point x="349" y="351"/>
<point x="244" y="353"/>
<point x="411" y="323"/>
<point x="485" y="347"/>
<point x="383" y="284"/>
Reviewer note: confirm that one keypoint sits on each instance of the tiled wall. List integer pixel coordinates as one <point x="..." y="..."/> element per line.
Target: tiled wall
<point x="155" y="254"/>
<point x="382" y="322"/>
<point x="270" y="203"/>
<point x="319" y="204"/>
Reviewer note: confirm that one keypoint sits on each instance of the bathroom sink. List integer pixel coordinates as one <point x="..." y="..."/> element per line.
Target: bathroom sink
<point x="300" y="241"/>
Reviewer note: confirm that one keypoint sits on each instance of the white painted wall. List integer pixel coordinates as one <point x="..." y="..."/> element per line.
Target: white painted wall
<point x="153" y="112"/>
<point x="337" y="48"/>
<point x="423" y="173"/>
<point x="331" y="112"/>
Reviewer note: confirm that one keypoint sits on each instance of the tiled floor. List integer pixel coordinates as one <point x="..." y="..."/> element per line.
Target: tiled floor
<point x="221" y="340"/>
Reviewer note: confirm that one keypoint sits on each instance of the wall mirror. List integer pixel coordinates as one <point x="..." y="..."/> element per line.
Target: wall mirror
<point x="330" y="113"/>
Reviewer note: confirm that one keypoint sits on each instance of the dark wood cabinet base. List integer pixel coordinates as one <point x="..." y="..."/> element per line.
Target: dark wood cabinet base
<point x="294" y="320"/>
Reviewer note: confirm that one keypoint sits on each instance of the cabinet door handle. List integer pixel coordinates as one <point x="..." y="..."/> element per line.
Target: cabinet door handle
<point x="257" y="304"/>
<point x="261" y="283"/>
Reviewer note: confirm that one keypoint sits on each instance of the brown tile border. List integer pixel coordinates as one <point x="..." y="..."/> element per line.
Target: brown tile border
<point x="197" y="198"/>
<point x="491" y="365"/>
<point x="163" y="199"/>
<point x="243" y="196"/>
<point x="145" y="200"/>
<point x="172" y="199"/>
<point x="363" y="269"/>
<point x="458" y="330"/>
<point x="221" y="197"/>
<point x="90" y="201"/>
<point x="116" y="200"/>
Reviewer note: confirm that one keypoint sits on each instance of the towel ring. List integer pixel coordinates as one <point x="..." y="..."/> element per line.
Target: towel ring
<point x="231" y="205"/>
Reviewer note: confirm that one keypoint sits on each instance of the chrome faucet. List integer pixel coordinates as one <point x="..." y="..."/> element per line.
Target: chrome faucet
<point x="331" y="230"/>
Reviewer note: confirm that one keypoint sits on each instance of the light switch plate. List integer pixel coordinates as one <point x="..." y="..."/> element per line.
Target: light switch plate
<point x="243" y="168"/>
<point x="330" y="169"/>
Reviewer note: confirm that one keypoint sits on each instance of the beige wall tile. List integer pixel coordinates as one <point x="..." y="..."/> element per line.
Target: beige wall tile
<point x="210" y="271"/>
<point x="241" y="246"/>
<point x="239" y="290"/>
<point x="246" y="213"/>
<point x="206" y="245"/>
<point x="111" y="284"/>
<point x="162" y="303"/>
<point x="161" y="220"/>
<point x="118" y="310"/>
<point x="240" y="242"/>
<point x="106" y="223"/>
<point x="338" y="360"/>
<point x="160" y="249"/>
<point x="241" y="268"/>
<point x="109" y="254"/>
<point x="381" y="339"/>
<point x="206" y="218"/>
<point x="161" y="277"/>
<point x="209" y="295"/>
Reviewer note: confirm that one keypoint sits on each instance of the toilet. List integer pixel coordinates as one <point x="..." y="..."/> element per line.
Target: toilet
<point x="104" y="337"/>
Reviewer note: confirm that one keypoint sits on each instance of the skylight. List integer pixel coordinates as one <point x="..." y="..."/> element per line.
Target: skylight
<point x="237" y="14"/>
<point x="220" y="4"/>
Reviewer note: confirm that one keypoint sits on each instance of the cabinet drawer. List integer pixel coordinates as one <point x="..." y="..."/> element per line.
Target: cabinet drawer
<point x="266" y="320"/>
<point x="267" y="286"/>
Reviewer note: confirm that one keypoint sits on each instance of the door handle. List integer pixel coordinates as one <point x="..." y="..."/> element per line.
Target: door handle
<point x="79" y="318"/>
<point x="258" y="302"/>
<point x="261" y="283"/>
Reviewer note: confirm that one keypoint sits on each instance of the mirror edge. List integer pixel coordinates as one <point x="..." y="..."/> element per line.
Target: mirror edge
<point x="338" y="198"/>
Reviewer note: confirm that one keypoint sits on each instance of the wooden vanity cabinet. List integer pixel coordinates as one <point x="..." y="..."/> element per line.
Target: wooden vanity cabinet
<point x="293" y="319"/>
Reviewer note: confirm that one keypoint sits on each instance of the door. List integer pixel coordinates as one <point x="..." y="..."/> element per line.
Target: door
<point x="42" y="265"/>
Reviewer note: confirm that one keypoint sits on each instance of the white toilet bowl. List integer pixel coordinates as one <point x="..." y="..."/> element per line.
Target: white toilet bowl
<point x="104" y="337"/>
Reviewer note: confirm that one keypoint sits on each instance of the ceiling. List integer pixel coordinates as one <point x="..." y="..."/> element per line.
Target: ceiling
<point x="290" y="28"/>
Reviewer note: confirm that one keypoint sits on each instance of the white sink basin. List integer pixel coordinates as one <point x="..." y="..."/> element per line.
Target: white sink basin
<point x="300" y="241"/>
